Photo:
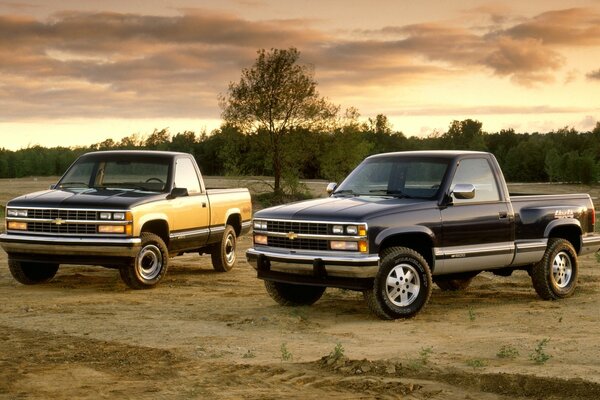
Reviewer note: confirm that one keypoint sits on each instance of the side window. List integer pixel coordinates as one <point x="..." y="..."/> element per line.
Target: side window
<point x="186" y="176"/>
<point x="477" y="172"/>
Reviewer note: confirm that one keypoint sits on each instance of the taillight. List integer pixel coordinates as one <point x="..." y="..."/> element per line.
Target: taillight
<point x="593" y="219"/>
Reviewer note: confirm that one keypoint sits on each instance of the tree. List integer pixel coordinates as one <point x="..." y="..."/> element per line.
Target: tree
<point x="276" y="95"/>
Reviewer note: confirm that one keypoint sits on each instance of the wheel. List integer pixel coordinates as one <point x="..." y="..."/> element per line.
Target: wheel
<point x="31" y="273"/>
<point x="555" y="276"/>
<point x="289" y="294"/>
<point x="223" y="256"/>
<point x="454" y="282"/>
<point x="150" y="264"/>
<point x="402" y="286"/>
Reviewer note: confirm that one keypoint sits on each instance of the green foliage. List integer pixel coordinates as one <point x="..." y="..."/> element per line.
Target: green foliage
<point x="539" y="355"/>
<point x="285" y="354"/>
<point x="338" y="351"/>
<point x="249" y="354"/>
<point x="476" y="363"/>
<point x="472" y="314"/>
<point x="507" y="351"/>
<point x="332" y="152"/>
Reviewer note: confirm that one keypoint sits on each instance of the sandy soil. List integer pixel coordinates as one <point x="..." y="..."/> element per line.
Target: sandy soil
<point x="204" y="335"/>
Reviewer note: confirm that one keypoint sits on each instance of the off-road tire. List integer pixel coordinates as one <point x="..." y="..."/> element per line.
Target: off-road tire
<point x="455" y="282"/>
<point x="32" y="273"/>
<point x="289" y="294"/>
<point x="149" y="266"/>
<point x="555" y="276"/>
<point x="223" y="255"/>
<point x="402" y="286"/>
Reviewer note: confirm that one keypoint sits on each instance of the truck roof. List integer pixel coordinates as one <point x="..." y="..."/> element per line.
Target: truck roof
<point x="133" y="153"/>
<point x="429" y="153"/>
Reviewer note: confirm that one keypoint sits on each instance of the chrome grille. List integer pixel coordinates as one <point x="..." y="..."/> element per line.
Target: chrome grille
<point x="76" y="229"/>
<point x="79" y="215"/>
<point x="305" y="228"/>
<point x="298" y="244"/>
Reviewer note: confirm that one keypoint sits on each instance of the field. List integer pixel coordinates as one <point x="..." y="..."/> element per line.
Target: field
<point x="205" y="335"/>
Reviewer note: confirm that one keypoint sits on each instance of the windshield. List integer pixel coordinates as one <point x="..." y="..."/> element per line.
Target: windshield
<point x="146" y="175"/>
<point x="395" y="176"/>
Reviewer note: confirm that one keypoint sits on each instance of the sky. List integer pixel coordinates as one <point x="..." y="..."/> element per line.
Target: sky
<point x="74" y="73"/>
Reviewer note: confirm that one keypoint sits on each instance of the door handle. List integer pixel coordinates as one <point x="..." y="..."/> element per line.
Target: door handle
<point x="502" y="215"/>
<point x="203" y="205"/>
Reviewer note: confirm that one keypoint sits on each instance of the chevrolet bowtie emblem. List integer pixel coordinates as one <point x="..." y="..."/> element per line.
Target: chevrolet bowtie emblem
<point x="292" y="235"/>
<point x="58" y="221"/>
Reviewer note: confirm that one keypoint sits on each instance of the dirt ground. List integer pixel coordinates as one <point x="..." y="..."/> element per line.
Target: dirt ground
<point x="207" y="335"/>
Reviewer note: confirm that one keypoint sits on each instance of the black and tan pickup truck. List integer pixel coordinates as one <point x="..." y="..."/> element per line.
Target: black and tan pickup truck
<point x="401" y="221"/>
<point x="130" y="210"/>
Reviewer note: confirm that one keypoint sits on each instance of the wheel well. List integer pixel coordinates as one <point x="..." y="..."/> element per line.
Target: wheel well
<point x="419" y="242"/>
<point x="158" y="227"/>
<point x="570" y="233"/>
<point x="235" y="220"/>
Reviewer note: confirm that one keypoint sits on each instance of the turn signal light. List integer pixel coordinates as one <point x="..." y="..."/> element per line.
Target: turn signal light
<point x="19" y="226"/>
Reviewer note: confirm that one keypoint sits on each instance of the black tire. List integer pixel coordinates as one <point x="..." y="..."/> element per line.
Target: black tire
<point x="555" y="276"/>
<point x="31" y="273"/>
<point x="223" y="256"/>
<point x="150" y="264"/>
<point x="289" y="294"/>
<point x="455" y="282"/>
<point x="394" y="295"/>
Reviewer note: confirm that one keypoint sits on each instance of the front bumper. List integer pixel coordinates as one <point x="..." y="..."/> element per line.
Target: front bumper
<point x="345" y="271"/>
<point x="69" y="250"/>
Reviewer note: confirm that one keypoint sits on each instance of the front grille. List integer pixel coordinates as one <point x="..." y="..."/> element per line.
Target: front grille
<point x="75" y="229"/>
<point x="304" y="228"/>
<point x="298" y="244"/>
<point x="79" y="215"/>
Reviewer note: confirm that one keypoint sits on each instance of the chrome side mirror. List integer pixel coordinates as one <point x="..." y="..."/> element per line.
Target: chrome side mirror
<point x="464" y="191"/>
<point x="331" y="187"/>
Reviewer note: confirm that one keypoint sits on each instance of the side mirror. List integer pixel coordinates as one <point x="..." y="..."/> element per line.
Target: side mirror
<point x="331" y="187"/>
<point x="53" y="186"/>
<point x="178" y="192"/>
<point x="464" y="191"/>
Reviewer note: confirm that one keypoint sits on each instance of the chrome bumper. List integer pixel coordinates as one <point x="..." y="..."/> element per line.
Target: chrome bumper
<point x="64" y="246"/>
<point x="590" y="243"/>
<point x="344" y="266"/>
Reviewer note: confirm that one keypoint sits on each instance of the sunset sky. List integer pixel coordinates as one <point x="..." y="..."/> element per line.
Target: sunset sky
<point x="78" y="72"/>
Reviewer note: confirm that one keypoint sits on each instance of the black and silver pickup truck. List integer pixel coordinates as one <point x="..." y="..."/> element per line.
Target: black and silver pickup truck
<point x="401" y="221"/>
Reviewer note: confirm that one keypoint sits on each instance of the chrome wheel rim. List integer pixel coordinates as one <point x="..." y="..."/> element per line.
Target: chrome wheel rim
<point x="149" y="262"/>
<point x="230" y="249"/>
<point x="562" y="270"/>
<point x="402" y="285"/>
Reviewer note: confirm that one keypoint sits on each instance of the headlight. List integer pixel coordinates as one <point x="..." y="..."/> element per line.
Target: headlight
<point x="15" y="212"/>
<point x="261" y="239"/>
<point x="260" y="225"/>
<point x="119" y="216"/>
<point x="16" y="225"/>
<point x="341" y="245"/>
<point x="352" y="230"/>
<point x="104" y="215"/>
<point x="338" y="229"/>
<point x="111" y="229"/>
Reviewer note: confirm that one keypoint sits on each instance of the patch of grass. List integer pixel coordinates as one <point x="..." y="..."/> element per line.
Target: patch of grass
<point x="285" y="353"/>
<point x="472" y="314"/>
<point x="507" y="351"/>
<point x="338" y="351"/>
<point x="539" y="355"/>
<point x="249" y="354"/>
<point x="423" y="359"/>
<point x="476" y="363"/>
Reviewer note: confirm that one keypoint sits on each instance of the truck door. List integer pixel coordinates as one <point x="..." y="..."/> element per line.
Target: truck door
<point x="190" y="213"/>
<point x="477" y="233"/>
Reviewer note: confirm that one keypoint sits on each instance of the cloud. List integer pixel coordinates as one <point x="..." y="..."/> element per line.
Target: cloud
<point x="594" y="75"/>
<point x="133" y="65"/>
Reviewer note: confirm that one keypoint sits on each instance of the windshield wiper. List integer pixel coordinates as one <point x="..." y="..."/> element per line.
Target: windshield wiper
<point x="73" y="184"/>
<point x="346" y="192"/>
<point x="395" y="193"/>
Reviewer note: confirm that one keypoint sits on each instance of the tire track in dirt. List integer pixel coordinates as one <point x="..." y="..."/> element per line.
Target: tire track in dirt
<point x="88" y="368"/>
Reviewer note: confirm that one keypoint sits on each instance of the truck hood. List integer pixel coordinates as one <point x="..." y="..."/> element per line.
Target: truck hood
<point x="343" y="208"/>
<point x="89" y="198"/>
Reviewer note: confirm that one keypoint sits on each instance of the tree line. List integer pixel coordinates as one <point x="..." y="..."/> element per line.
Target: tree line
<point x="565" y="155"/>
